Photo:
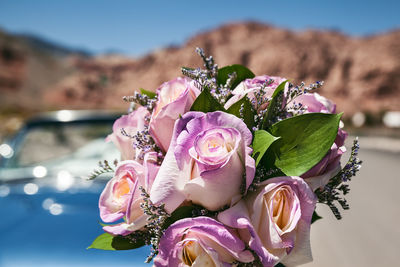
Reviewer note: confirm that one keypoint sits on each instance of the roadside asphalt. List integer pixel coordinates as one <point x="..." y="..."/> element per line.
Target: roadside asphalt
<point x="369" y="233"/>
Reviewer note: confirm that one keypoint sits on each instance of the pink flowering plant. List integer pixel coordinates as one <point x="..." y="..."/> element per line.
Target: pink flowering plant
<point x="224" y="168"/>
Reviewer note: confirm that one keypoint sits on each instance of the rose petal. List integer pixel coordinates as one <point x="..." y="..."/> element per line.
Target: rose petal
<point x="219" y="187"/>
<point x="169" y="108"/>
<point x="168" y="185"/>
<point x="212" y="234"/>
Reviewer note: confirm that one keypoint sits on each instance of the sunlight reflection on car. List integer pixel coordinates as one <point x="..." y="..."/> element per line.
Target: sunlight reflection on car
<point x="4" y="190"/>
<point x="6" y="151"/>
<point x="31" y="188"/>
<point x="39" y="171"/>
<point x="64" y="180"/>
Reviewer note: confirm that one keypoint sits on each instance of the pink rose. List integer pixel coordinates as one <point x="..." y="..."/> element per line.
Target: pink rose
<point x="275" y="220"/>
<point x="329" y="166"/>
<point x="174" y="99"/>
<point x="316" y="103"/>
<point x="200" y="241"/>
<point x="131" y="123"/>
<point x="250" y="86"/>
<point x="206" y="163"/>
<point x="122" y="197"/>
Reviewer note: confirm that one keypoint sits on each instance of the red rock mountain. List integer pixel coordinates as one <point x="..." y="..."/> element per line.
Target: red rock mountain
<point x="359" y="73"/>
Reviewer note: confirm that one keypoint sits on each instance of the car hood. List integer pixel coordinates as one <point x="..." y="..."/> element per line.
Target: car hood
<point x="54" y="228"/>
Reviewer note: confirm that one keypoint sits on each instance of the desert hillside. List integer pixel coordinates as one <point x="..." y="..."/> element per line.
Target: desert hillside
<point x="359" y="73"/>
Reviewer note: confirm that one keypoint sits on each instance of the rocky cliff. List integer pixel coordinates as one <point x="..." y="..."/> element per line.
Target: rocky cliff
<point x="360" y="74"/>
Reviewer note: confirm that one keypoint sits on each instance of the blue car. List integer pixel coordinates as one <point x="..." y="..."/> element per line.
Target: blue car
<point x="48" y="211"/>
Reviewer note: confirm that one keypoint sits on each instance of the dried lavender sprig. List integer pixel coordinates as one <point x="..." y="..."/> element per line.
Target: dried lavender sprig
<point x="261" y="175"/>
<point x="241" y="112"/>
<point x="277" y="112"/>
<point x="296" y="91"/>
<point x="201" y="78"/>
<point x="201" y="211"/>
<point x="143" y="100"/>
<point x="144" y="142"/>
<point x="156" y="220"/>
<point x="282" y="110"/>
<point x="139" y="235"/>
<point x="259" y="99"/>
<point x="207" y="78"/>
<point x="209" y="63"/>
<point x="259" y="95"/>
<point x="353" y="165"/>
<point x="296" y="109"/>
<point x="104" y="167"/>
<point x="221" y="94"/>
<point x="336" y="187"/>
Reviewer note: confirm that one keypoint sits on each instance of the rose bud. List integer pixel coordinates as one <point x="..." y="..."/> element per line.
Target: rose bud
<point x="174" y="99"/>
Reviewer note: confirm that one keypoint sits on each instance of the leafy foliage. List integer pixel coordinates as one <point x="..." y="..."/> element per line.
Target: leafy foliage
<point x="305" y="140"/>
<point x="205" y="102"/>
<point x="242" y="73"/>
<point x="178" y="214"/>
<point x="274" y="105"/>
<point x="243" y="109"/>
<point x="261" y="143"/>
<point x="104" y="167"/>
<point x="107" y="241"/>
<point x="148" y="93"/>
<point x="315" y="217"/>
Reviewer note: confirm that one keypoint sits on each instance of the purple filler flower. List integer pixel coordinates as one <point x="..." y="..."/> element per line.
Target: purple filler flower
<point x="207" y="162"/>
<point x="200" y="241"/>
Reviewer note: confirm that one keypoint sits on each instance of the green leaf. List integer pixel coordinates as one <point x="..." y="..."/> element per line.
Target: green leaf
<point x="178" y="214"/>
<point x="205" y="102"/>
<point x="261" y="142"/>
<point x="103" y="241"/>
<point x="248" y="112"/>
<point x="305" y="140"/>
<point x="242" y="73"/>
<point x="107" y="241"/>
<point x="280" y="88"/>
<point x="148" y="93"/>
<point x="315" y="217"/>
<point x="272" y="106"/>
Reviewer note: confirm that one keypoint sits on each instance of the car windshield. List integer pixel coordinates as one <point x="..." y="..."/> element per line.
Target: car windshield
<point x="46" y="148"/>
<point x="48" y="142"/>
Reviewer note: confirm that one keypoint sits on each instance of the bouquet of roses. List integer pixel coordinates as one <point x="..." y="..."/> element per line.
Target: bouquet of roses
<point x="222" y="168"/>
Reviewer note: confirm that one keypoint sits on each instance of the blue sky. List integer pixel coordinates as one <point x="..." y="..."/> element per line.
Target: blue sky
<point x="137" y="27"/>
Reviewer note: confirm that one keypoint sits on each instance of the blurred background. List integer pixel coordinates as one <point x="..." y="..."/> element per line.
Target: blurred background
<point x="65" y="66"/>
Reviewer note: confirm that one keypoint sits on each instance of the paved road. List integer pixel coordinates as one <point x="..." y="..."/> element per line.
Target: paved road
<point x="369" y="233"/>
